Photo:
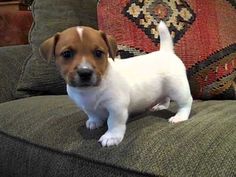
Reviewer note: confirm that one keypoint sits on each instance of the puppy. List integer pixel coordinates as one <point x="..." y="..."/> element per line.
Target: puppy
<point x="108" y="89"/>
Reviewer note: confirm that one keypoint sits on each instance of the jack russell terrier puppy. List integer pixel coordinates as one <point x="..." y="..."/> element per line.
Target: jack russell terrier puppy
<point x="110" y="90"/>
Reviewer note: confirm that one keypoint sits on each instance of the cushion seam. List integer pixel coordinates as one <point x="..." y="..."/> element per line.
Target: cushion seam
<point x="30" y="55"/>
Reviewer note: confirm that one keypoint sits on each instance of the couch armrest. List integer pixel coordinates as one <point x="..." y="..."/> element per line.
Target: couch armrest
<point x="12" y="59"/>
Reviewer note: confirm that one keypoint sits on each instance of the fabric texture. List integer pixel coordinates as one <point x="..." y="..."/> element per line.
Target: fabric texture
<point x="50" y="17"/>
<point x="32" y="160"/>
<point x="46" y="135"/>
<point x="14" y="27"/>
<point x="204" y="34"/>
<point x="11" y="63"/>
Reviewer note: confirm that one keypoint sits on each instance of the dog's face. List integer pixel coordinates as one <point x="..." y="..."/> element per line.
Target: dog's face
<point x="81" y="54"/>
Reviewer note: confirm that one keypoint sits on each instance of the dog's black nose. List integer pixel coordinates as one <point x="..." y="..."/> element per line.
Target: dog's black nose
<point x="85" y="74"/>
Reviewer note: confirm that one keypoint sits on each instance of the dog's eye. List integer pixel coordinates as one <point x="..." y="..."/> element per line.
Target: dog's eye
<point x="98" y="53"/>
<point x="68" y="54"/>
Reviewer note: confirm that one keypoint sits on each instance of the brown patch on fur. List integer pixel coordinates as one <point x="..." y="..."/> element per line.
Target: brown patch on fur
<point x="47" y="48"/>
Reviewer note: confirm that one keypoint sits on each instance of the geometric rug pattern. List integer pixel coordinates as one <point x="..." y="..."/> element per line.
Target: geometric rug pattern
<point x="204" y="35"/>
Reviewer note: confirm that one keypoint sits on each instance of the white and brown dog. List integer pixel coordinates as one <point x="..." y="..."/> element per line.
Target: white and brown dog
<point x="109" y="90"/>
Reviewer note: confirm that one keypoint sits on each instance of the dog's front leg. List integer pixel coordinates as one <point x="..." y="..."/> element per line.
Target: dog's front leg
<point x="116" y="123"/>
<point x="94" y="121"/>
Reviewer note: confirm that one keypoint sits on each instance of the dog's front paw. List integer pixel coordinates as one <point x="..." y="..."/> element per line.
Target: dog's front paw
<point x="176" y="119"/>
<point x="93" y="124"/>
<point x="110" y="139"/>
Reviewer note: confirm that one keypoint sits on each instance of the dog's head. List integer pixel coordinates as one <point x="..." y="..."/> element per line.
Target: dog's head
<point x="81" y="54"/>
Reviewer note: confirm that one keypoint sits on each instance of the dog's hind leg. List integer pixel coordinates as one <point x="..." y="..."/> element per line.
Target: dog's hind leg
<point x="183" y="111"/>
<point x="182" y="96"/>
<point x="164" y="104"/>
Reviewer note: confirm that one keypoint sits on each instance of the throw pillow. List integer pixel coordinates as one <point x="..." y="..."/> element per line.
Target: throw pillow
<point x="204" y="34"/>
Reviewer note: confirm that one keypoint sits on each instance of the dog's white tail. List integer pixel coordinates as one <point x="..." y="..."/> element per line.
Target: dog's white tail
<point x="166" y="43"/>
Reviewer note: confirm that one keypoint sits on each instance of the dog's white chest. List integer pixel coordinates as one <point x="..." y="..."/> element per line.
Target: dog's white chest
<point x="89" y="102"/>
<point x="83" y="100"/>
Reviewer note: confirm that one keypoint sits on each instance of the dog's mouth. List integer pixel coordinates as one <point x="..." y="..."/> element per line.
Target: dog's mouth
<point x="84" y="81"/>
<point x="83" y="84"/>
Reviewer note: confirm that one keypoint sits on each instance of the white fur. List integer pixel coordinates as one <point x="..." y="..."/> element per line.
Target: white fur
<point x="135" y="85"/>
<point x="80" y="32"/>
<point x="85" y="64"/>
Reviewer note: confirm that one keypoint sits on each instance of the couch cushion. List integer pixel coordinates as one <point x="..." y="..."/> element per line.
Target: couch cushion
<point x="11" y="63"/>
<point x="203" y="33"/>
<point x="55" y="129"/>
<point x="50" y="17"/>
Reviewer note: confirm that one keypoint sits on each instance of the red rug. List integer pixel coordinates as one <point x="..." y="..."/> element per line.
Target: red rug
<point x="204" y="33"/>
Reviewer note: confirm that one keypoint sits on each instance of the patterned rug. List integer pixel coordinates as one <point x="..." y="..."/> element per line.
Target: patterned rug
<point x="204" y="34"/>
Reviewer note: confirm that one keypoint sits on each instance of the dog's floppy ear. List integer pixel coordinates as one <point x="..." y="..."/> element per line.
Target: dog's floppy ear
<point x="47" y="48"/>
<point x="111" y="44"/>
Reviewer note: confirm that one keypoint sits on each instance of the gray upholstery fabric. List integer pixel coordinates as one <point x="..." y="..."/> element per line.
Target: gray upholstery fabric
<point x="20" y="158"/>
<point x="205" y="145"/>
<point x="50" y="17"/>
<point x="12" y="59"/>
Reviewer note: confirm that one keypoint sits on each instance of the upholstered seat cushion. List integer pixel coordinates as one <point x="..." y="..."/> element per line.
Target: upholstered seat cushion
<point x="46" y="136"/>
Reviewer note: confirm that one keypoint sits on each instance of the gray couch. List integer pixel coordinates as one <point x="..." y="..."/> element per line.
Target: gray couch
<point x="43" y="134"/>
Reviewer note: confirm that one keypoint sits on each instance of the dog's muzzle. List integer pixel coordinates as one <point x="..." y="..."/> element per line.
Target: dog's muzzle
<point x="84" y="77"/>
<point x="85" y="74"/>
